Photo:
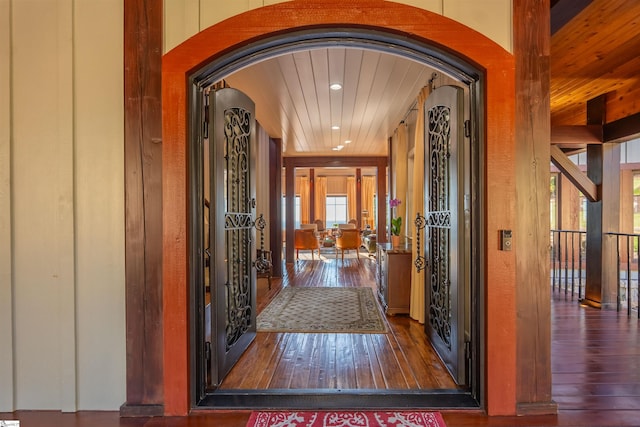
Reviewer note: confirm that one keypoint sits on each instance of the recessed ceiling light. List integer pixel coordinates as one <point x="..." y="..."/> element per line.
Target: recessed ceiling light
<point x="335" y="127"/>
<point x="348" y="141"/>
<point x="340" y="147"/>
<point x="335" y="149"/>
<point x="336" y="86"/>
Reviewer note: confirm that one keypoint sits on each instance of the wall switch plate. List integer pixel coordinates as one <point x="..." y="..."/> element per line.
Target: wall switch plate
<point x="505" y="240"/>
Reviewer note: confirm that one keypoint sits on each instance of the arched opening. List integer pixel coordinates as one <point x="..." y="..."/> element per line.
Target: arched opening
<point x="218" y="50"/>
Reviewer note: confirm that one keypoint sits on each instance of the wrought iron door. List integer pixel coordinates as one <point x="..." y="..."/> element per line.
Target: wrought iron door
<point x="446" y="244"/>
<point x="232" y="214"/>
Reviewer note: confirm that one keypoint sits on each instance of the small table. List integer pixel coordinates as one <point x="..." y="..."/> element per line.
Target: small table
<point x="328" y="242"/>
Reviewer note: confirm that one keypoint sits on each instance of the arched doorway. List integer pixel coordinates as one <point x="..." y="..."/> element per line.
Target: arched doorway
<point x="414" y="32"/>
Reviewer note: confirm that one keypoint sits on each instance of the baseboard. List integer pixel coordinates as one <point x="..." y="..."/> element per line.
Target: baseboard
<point x="537" y="408"/>
<point x="127" y="410"/>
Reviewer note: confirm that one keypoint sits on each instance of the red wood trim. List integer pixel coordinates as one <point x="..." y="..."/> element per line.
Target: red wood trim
<point x="396" y="18"/>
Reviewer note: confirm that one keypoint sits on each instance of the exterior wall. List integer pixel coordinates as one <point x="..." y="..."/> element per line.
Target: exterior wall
<point x="6" y="291"/>
<point x="183" y="19"/>
<point x="61" y="205"/>
<point x="62" y="194"/>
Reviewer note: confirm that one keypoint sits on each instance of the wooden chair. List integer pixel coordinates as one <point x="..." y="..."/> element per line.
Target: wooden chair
<point x="320" y="227"/>
<point x="347" y="226"/>
<point x="348" y="239"/>
<point x="306" y="240"/>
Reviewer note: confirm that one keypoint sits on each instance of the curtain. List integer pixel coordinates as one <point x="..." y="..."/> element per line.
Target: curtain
<point x="368" y="191"/>
<point x="351" y="198"/>
<point x="302" y="186"/>
<point x="320" y="183"/>
<point x="400" y="166"/>
<point x="417" y="310"/>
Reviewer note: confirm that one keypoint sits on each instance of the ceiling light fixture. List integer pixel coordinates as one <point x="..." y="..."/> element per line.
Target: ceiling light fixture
<point x="335" y="127"/>
<point x="348" y="141"/>
<point x="336" y="86"/>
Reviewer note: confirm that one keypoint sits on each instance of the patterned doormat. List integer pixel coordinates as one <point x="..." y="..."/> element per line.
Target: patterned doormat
<point x="346" y="419"/>
<point x="339" y="310"/>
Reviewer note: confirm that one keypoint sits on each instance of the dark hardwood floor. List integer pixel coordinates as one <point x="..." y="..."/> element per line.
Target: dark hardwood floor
<point x="402" y="359"/>
<point x="596" y="380"/>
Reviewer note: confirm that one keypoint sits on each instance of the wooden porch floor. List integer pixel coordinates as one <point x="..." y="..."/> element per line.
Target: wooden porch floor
<point x="595" y="367"/>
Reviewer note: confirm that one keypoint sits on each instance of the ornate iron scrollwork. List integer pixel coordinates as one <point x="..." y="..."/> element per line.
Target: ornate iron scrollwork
<point x="238" y="223"/>
<point x="439" y="221"/>
<point x="421" y="261"/>
<point x="262" y="263"/>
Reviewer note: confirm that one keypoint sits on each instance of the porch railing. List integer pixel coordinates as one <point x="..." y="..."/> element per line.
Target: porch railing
<point x="627" y="247"/>
<point x="568" y="266"/>
<point x="568" y="262"/>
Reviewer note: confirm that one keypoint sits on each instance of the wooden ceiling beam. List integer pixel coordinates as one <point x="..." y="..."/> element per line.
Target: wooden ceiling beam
<point x="623" y="129"/>
<point x="574" y="174"/>
<point x="334" y="161"/>
<point x="576" y="135"/>
<point x="563" y="11"/>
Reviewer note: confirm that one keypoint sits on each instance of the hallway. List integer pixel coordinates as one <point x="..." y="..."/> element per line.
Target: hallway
<point x="399" y="359"/>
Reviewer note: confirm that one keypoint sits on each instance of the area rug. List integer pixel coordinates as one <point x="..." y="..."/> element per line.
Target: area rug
<point x="339" y="310"/>
<point x="345" y="419"/>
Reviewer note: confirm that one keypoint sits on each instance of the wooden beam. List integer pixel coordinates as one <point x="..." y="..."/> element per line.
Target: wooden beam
<point x="563" y="11"/>
<point x="290" y="184"/>
<point x="623" y="129"/>
<point x="333" y="161"/>
<point x="275" y="207"/>
<point x="576" y="135"/>
<point x="143" y="206"/>
<point x="574" y="174"/>
<point x="531" y="39"/>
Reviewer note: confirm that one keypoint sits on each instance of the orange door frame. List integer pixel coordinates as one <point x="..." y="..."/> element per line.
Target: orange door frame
<point x="498" y="175"/>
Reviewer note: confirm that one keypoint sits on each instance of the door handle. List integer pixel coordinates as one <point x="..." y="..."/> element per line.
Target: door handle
<point x="421" y="261"/>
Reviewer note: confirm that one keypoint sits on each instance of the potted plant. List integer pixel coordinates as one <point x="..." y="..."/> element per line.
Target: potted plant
<point x="396" y="223"/>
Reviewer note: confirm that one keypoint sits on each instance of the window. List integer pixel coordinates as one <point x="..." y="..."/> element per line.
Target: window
<point x="336" y="210"/>
<point x="553" y="206"/>
<point x="636" y="202"/>
<point x="582" y="217"/>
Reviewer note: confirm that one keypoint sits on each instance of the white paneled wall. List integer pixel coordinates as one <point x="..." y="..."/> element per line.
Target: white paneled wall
<point x="99" y="207"/>
<point x="6" y="309"/>
<point x="62" y="226"/>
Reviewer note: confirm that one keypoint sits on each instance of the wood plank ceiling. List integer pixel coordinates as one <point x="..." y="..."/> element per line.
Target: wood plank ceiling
<point x="294" y="100"/>
<point x="594" y="51"/>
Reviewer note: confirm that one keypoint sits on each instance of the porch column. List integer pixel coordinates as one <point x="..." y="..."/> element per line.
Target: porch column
<point x="603" y="168"/>
<point x="144" y="208"/>
<point x="531" y="235"/>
